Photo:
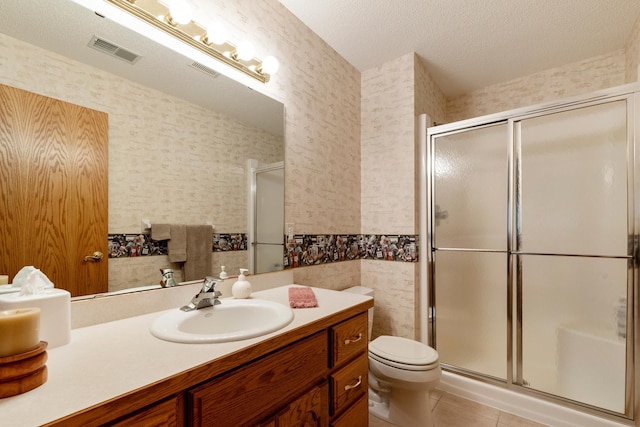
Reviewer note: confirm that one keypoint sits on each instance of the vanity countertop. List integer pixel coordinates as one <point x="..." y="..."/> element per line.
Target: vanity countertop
<point x="109" y="360"/>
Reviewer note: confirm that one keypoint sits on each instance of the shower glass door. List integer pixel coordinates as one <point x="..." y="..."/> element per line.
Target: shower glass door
<point x="470" y="187"/>
<point x="530" y="250"/>
<point x="267" y="242"/>
<point x="572" y="253"/>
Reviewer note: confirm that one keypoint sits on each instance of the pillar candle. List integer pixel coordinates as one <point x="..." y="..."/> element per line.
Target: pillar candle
<point x="19" y="330"/>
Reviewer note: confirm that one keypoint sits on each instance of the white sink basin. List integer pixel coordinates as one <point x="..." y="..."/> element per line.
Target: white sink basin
<point x="232" y="320"/>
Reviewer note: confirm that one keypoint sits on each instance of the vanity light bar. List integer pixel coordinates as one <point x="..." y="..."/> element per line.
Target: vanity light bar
<point x="157" y="14"/>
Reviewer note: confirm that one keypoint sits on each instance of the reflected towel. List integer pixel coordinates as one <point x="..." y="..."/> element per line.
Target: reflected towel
<point x="302" y="298"/>
<point x="161" y="232"/>
<point x="177" y="246"/>
<point x="199" y="252"/>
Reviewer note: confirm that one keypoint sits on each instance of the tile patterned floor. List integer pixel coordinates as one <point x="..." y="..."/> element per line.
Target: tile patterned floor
<point x="453" y="411"/>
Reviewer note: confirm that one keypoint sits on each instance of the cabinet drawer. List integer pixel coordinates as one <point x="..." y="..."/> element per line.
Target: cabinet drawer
<point x="349" y="338"/>
<point x="349" y="383"/>
<point x="356" y="416"/>
<point x="169" y="412"/>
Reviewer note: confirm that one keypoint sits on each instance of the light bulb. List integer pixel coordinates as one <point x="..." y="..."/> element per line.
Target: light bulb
<point x="216" y="33"/>
<point x="270" y="65"/>
<point x="245" y="51"/>
<point x="180" y="11"/>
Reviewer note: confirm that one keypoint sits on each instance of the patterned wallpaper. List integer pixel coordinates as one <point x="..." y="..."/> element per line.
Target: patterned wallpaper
<point x="388" y="140"/>
<point x="321" y="92"/>
<point x="429" y="99"/>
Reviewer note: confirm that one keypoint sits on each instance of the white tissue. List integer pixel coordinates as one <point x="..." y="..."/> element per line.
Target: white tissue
<point x="19" y="278"/>
<point x="35" y="283"/>
<point x="23" y="274"/>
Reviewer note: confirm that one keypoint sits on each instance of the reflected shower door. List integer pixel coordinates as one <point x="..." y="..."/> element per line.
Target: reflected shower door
<point x="572" y="253"/>
<point x="470" y="249"/>
<point x="268" y="241"/>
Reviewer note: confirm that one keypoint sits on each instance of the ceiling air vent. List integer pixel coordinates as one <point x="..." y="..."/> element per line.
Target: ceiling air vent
<point x="112" y="49"/>
<point x="198" y="66"/>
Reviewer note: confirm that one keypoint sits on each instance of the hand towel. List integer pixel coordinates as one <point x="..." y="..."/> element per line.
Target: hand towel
<point x="177" y="246"/>
<point x="199" y="252"/>
<point x="302" y="298"/>
<point x="161" y="232"/>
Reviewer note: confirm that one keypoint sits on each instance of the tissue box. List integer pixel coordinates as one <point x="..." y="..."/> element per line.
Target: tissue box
<point x="55" y="313"/>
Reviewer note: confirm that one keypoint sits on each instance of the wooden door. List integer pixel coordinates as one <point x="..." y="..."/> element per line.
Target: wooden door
<point x="53" y="189"/>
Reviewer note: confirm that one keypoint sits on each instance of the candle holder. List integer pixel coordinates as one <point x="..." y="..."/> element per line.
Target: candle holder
<point x="24" y="371"/>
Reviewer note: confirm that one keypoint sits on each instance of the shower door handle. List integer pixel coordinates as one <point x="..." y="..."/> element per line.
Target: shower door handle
<point x="633" y="243"/>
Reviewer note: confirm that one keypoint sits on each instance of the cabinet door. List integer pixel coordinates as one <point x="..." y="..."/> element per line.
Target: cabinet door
<point x="309" y="410"/>
<point x="249" y="394"/>
<point x="356" y="416"/>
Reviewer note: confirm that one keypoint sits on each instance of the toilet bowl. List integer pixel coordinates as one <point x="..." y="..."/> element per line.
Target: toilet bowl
<point x="402" y="372"/>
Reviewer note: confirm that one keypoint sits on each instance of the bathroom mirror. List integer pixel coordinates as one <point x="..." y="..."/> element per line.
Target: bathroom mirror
<point x="183" y="139"/>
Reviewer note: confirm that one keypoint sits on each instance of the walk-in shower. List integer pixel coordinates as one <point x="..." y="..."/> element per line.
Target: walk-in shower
<point x="529" y="233"/>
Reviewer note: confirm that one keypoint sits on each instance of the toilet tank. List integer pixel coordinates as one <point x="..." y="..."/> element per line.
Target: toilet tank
<point x="362" y="290"/>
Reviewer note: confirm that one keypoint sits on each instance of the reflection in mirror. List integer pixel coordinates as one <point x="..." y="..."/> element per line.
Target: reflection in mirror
<point x="266" y="215"/>
<point x="182" y="138"/>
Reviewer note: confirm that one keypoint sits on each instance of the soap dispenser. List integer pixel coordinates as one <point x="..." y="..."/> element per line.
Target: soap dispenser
<point x="241" y="288"/>
<point x="223" y="273"/>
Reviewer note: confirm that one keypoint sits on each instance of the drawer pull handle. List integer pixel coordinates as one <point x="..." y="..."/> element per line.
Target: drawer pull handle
<point x="352" y="386"/>
<point x="350" y="340"/>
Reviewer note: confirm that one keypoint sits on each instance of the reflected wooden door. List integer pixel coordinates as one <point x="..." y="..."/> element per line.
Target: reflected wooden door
<point x="53" y="189"/>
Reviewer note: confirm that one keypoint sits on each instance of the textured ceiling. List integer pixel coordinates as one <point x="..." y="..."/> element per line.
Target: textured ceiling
<point x="470" y="44"/>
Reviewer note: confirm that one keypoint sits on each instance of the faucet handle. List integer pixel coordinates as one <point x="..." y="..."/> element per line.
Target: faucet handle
<point x="209" y="285"/>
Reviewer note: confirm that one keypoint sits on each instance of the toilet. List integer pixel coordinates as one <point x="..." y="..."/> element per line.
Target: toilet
<point x="402" y="373"/>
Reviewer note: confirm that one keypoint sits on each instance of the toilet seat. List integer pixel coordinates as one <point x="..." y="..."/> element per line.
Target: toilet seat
<point x="403" y="353"/>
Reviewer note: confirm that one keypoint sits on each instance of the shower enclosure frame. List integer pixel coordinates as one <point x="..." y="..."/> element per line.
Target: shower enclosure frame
<point x="428" y="297"/>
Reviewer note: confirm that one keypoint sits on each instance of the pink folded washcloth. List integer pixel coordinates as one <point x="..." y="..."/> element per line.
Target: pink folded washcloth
<point x="302" y="298"/>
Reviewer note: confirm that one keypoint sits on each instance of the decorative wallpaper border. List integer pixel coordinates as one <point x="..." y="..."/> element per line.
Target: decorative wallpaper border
<point x="133" y="245"/>
<point x="224" y="242"/>
<point x="305" y="250"/>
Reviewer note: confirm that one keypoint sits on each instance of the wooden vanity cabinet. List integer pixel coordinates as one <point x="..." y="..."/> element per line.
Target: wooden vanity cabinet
<point x="315" y="376"/>
<point x="308" y="383"/>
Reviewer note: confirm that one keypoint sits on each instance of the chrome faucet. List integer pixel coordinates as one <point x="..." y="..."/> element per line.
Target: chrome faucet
<point x="167" y="280"/>
<point x="207" y="297"/>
